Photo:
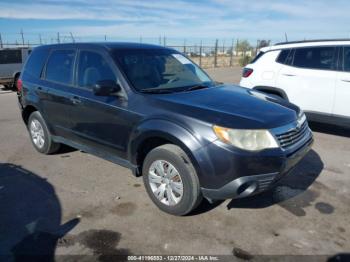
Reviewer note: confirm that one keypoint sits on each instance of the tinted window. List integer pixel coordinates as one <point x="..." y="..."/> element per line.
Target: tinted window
<point x="282" y="57"/>
<point x="347" y="58"/>
<point x="59" y="67"/>
<point x="11" y="56"/>
<point x="92" y="68"/>
<point x="36" y="62"/>
<point x="258" y="56"/>
<point x="314" y="57"/>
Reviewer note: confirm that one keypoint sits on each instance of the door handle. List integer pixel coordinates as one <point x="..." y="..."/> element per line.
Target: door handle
<point x="75" y="100"/>
<point x="345" y="80"/>
<point x="288" y="75"/>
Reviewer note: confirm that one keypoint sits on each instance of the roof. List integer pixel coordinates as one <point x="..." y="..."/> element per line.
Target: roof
<point x="108" y="45"/>
<point x="306" y="43"/>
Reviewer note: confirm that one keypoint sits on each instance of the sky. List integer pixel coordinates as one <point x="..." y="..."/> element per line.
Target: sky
<point x="178" y="20"/>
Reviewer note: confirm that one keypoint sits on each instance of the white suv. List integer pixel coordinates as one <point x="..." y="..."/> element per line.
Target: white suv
<point x="315" y="75"/>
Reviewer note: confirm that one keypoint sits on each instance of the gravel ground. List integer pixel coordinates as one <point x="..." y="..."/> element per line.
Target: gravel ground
<point x="73" y="203"/>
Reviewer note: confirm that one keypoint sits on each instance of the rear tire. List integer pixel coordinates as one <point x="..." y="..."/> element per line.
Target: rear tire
<point x="171" y="180"/>
<point x="40" y="135"/>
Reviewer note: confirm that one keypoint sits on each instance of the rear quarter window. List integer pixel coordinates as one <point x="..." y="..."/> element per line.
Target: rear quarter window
<point x="282" y="57"/>
<point x="10" y="56"/>
<point x="257" y="57"/>
<point x="35" y="62"/>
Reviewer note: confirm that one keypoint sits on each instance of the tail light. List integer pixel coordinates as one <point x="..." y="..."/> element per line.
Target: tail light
<point x="19" y="85"/>
<point x="247" y="72"/>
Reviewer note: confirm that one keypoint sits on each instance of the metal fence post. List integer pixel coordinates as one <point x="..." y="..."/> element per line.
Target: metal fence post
<point x="231" y="53"/>
<point x="216" y="53"/>
<point x="200" y="54"/>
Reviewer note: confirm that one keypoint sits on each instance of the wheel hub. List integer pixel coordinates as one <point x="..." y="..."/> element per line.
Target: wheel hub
<point x="165" y="182"/>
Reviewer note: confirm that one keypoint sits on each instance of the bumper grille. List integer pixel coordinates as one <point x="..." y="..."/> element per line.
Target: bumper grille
<point x="293" y="136"/>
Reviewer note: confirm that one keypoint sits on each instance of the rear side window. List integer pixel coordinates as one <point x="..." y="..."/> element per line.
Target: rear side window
<point x="92" y="68"/>
<point x="258" y="56"/>
<point x="35" y="63"/>
<point x="315" y="57"/>
<point x="10" y="56"/>
<point x="60" y="65"/>
<point x="282" y="57"/>
<point x="347" y="58"/>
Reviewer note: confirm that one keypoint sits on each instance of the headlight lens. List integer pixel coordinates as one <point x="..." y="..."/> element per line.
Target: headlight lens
<point x="251" y="140"/>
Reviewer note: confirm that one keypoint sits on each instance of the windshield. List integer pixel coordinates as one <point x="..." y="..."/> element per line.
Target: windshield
<point x="160" y="70"/>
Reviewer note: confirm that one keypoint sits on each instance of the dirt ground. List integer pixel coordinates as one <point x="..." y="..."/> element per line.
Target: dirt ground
<point x="73" y="203"/>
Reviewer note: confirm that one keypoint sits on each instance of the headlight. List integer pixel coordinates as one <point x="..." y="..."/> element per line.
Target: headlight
<point x="252" y="140"/>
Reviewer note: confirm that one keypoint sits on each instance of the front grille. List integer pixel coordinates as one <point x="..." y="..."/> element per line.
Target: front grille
<point x="292" y="136"/>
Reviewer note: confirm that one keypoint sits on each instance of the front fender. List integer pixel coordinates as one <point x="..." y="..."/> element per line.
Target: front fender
<point x="171" y="131"/>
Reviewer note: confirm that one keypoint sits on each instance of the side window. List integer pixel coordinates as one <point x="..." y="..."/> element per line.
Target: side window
<point x="315" y="57"/>
<point x="347" y="58"/>
<point x="60" y="65"/>
<point x="36" y="62"/>
<point x="282" y="57"/>
<point x="92" y="68"/>
<point x="9" y="56"/>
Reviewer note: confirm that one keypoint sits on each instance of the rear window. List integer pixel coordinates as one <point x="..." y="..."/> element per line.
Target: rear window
<point x="11" y="56"/>
<point x="282" y="57"/>
<point x="257" y="57"/>
<point x="35" y="63"/>
<point x="315" y="57"/>
<point x="59" y="67"/>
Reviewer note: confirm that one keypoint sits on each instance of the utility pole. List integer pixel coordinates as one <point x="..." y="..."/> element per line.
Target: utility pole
<point x="22" y="37"/>
<point x="71" y="35"/>
<point x="285" y="35"/>
<point x="1" y="45"/>
<point x="216" y="53"/>
<point x="58" y="37"/>
<point x="40" y="39"/>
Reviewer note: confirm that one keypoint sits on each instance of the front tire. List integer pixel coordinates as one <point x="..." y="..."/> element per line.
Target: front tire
<point x="171" y="180"/>
<point x="40" y="135"/>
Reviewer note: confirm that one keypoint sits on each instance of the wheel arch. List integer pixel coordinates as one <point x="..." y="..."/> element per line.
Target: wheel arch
<point x="154" y="133"/>
<point x="27" y="111"/>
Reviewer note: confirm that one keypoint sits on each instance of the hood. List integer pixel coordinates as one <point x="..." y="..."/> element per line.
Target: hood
<point x="231" y="106"/>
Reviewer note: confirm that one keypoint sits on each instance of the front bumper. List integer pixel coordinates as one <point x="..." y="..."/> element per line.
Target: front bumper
<point x="259" y="173"/>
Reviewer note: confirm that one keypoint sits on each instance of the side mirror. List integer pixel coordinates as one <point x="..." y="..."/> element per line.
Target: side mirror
<point x="106" y="88"/>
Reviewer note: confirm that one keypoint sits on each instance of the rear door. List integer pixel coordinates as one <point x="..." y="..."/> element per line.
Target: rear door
<point x="342" y="93"/>
<point x="309" y="78"/>
<point x="58" y="80"/>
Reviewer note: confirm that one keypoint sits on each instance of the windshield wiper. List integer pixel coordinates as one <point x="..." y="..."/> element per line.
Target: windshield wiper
<point x="196" y="87"/>
<point x="156" y="90"/>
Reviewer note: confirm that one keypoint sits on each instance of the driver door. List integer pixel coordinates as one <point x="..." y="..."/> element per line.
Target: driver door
<point x="99" y="122"/>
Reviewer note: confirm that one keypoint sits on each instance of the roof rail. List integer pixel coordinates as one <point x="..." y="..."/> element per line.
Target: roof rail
<point x="311" y="41"/>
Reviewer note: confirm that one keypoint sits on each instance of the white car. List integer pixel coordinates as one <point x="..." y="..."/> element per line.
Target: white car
<point x="11" y="62"/>
<point x="314" y="75"/>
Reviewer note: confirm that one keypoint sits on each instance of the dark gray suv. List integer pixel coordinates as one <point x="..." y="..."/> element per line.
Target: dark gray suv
<point x="151" y="109"/>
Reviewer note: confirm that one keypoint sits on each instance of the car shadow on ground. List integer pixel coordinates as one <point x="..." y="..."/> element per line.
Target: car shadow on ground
<point x="292" y="191"/>
<point x="330" y="129"/>
<point x="30" y="217"/>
